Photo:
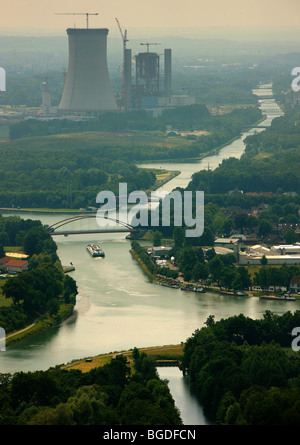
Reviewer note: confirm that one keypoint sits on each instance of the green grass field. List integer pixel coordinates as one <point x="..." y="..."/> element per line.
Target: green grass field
<point x="89" y="140"/>
<point x="4" y="131"/>
<point x="4" y="301"/>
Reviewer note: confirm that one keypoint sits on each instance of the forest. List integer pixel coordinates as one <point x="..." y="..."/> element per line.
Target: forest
<point x="268" y="164"/>
<point x="44" y="288"/>
<point x="69" y="170"/>
<point x="117" y="393"/>
<point x="245" y="371"/>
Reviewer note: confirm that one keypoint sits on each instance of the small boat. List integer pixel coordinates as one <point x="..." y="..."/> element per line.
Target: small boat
<point x="174" y="286"/>
<point x="193" y="289"/>
<point x="285" y="297"/>
<point x="234" y="294"/>
<point x="95" y="250"/>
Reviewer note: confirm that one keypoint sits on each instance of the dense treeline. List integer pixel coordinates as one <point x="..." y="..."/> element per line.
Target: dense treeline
<point x="275" y="276"/>
<point x="222" y="128"/>
<point x="268" y="164"/>
<point x="225" y="215"/>
<point x="245" y="202"/>
<point x="212" y="268"/>
<point x="240" y="372"/>
<point x="68" y="171"/>
<point x="44" y="288"/>
<point x="107" y="395"/>
<point x="214" y="218"/>
<point x="64" y="188"/>
<point x="185" y="117"/>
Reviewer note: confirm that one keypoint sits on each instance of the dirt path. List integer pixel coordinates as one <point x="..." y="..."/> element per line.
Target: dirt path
<point x="22" y="330"/>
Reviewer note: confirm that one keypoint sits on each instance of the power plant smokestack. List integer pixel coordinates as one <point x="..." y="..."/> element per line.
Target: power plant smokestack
<point x="168" y="72"/>
<point x="87" y="88"/>
<point x="128" y="79"/>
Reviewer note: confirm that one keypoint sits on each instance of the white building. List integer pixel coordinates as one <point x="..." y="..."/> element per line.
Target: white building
<point x="253" y="256"/>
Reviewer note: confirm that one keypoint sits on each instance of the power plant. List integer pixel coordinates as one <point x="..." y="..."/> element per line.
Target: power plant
<point x="87" y="87"/>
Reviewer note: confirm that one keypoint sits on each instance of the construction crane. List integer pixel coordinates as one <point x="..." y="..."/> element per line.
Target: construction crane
<point x="79" y="13"/>
<point x="123" y="35"/>
<point x="125" y="40"/>
<point x="148" y="44"/>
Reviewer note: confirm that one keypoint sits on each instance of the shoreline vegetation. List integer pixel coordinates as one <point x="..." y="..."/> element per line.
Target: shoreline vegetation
<point x="43" y="295"/>
<point x="164" y="176"/>
<point x="43" y="323"/>
<point x="211" y="152"/>
<point x="168" y="281"/>
<point x="159" y="279"/>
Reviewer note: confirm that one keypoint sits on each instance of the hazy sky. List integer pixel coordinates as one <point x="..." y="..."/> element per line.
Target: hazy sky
<point x="16" y="14"/>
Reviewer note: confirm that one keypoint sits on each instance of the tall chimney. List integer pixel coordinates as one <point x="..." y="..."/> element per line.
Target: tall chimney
<point x="128" y="80"/>
<point x="168" y="72"/>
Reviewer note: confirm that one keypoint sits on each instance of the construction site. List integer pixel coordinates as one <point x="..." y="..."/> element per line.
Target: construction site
<point x="87" y="92"/>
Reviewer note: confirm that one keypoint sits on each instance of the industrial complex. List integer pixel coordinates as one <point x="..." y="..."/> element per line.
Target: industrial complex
<point x="146" y="80"/>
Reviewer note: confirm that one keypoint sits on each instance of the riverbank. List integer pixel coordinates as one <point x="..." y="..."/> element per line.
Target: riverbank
<point x="41" y="324"/>
<point x="118" y="307"/>
<point x="170" y="282"/>
<point x="166" y="352"/>
<point x="213" y="151"/>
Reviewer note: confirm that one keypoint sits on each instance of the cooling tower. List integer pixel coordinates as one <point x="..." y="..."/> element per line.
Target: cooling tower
<point x="87" y="86"/>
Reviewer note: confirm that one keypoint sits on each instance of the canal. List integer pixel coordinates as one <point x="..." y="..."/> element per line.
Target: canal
<point x="119" y="308"/>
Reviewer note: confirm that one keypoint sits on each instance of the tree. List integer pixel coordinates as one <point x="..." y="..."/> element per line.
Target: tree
<point x="240" y="219"/>
<point x="53" y="306"/>
<point x="179" y="237"/>
<point x="264" y="260"/>
<point x="187" y="259"/>
<point x="33" y="242"/>
<point x="4" y="240"/>
<point x="215" y="267"/>
<point x="242" y="279"/>
<point x="265" y="228"/>
<point x="61" y="415"/>
<point x="157" y="238"/>
<point x="200" y="272"/>
<point x="88" y="406"/>
<point x="251" y="222"/>
<point x="207" y="238"/>
<point x="227" y="227"/>
<point x="290" y="237"/>
<point x="227" y="275"/>
<point x="69" y="287"/>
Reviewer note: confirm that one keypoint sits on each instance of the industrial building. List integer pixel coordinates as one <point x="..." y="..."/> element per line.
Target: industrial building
<point x="152" y="90"/>
<point x="87" y="87"/>
<point x="254" y="254"/>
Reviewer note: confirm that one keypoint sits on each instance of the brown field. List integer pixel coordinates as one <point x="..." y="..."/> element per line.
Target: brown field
<point x="157" y="352"/>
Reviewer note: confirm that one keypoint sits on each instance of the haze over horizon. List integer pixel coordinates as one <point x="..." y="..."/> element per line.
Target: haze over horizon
<point x="270" y="19"/>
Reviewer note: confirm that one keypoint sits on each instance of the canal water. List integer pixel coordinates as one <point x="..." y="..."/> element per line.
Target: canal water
<point x="119" y="308"/>
<point x="190" y="409"/>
